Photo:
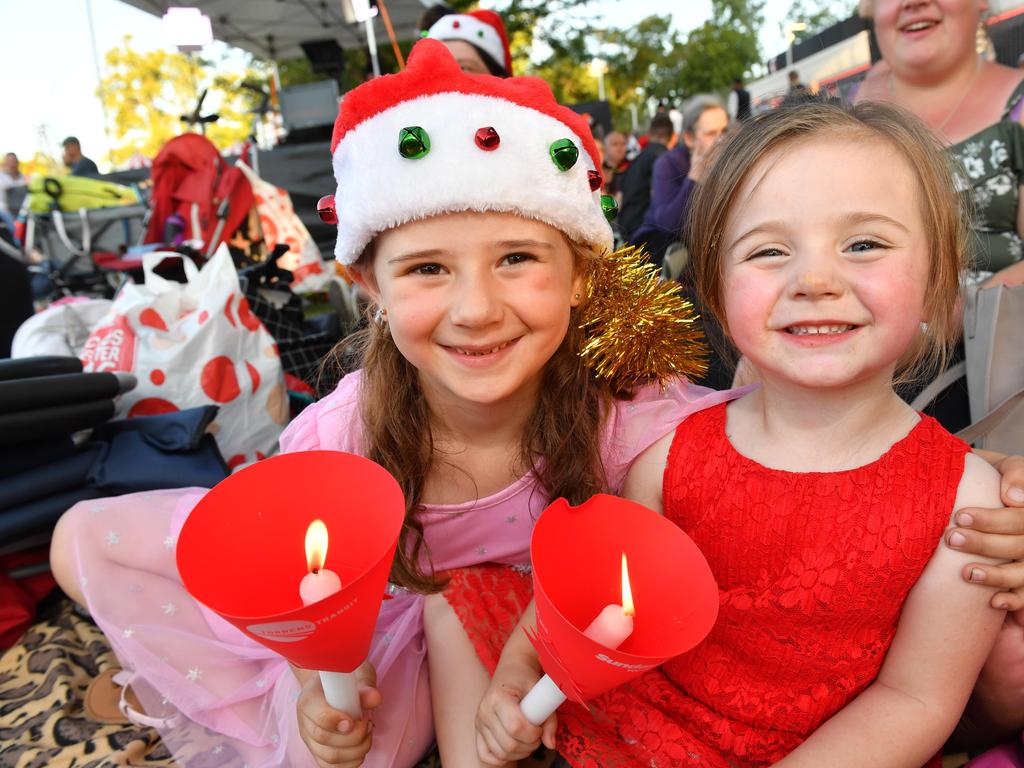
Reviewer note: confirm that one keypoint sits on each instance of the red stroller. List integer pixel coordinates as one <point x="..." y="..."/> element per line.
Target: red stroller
<point x="196" y="195"/>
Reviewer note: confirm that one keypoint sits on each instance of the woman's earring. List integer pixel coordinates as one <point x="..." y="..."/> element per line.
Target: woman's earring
<point x="381" y="316"/>
<point x="576" y="296"/>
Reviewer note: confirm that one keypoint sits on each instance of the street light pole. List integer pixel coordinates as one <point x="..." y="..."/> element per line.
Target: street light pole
<point x="598" y="68"/>
<point x="791" y="29"/>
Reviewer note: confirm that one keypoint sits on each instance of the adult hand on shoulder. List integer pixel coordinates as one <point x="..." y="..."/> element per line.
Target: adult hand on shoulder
<point x="997" y="533"/>
<point x="334" y="738"/>
<point x="502" y="732"/>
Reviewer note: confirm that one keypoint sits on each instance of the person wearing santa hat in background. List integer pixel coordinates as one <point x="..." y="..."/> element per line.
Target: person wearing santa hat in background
<point x="469" y="207"/>
<point x="477" y="40"/>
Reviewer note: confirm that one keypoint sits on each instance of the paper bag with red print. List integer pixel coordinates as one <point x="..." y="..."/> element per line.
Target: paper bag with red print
<point x="195" y="344"/>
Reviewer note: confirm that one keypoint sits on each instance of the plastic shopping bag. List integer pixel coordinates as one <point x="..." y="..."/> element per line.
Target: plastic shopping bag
<point x="195" y="344"/>
<point x="280" y="224"/>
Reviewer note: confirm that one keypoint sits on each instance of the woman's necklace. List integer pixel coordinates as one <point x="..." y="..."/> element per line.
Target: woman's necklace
<point x="959" y="102"/>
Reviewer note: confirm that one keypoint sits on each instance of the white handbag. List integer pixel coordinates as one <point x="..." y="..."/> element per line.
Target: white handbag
<point x="994" y="366"/>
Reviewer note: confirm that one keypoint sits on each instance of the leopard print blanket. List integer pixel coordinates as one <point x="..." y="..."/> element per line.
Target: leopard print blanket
<point x="42" y="684"/>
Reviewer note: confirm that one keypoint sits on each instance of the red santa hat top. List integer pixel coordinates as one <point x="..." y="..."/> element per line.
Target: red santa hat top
<point x="484" y="29"/>
<point x="434" y="140"/>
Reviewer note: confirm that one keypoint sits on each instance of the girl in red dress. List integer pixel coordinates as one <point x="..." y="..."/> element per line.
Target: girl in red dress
<point x="846" y="635"/>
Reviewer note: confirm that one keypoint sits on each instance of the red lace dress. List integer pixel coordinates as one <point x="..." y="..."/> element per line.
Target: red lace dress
<point x="813" y="569"/>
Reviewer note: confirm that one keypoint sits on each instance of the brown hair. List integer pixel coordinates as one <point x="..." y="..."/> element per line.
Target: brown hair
<point x="943" y="208"/>
<point x="560" y="443"/>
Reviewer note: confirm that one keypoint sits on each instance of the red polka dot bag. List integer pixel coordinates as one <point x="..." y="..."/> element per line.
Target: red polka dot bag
<point x="192" y="344"/>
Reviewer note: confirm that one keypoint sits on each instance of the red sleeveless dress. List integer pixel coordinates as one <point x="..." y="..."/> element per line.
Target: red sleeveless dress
<point x="812" y="568"/>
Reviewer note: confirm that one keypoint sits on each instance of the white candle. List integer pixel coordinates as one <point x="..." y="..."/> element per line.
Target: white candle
<point x="340" y="688"/>
<point x="610" y="628"/>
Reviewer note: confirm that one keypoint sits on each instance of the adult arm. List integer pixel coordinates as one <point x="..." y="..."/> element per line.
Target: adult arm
<point x="945" y="632"/>
<point x="671" y="189"/>
<point x="995" y="533"/>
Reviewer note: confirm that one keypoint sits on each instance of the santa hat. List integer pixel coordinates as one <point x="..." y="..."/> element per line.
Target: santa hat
<point x="434" y="140"/>
<point x="482" y="29"/>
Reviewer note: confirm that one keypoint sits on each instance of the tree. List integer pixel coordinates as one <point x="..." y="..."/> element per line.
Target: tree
<point x="723" y="48"/>
<point x="144" y="95"/>
<point x="817" y="16"/>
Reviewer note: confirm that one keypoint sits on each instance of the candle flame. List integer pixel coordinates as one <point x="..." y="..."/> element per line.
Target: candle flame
<point x="316" y="545"/>
<point x="627" y="593"/>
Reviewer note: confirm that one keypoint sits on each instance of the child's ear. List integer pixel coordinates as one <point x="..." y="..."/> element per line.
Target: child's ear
<point x="579" y="285"/>
<point x="363" y="277"/>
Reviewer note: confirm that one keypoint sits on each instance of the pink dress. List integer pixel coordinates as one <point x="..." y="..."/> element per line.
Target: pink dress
<point x="217" y="697"/>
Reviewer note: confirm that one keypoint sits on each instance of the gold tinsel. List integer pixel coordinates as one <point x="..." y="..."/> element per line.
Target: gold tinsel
<point x="637" y="326"/>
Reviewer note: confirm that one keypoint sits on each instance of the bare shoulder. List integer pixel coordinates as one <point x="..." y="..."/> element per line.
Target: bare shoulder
<point x="979" y="485"/>
<point x="644" y="481"/>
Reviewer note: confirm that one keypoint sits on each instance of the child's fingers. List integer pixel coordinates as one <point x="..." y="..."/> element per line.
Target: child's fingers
<point x="369" y="697"/>
<point x="519" y="737"/>
<point x="487" y="748"/>
<point x="549" y="729"/>
<point x="345" y="757"/>
<point x="334" y="732"/>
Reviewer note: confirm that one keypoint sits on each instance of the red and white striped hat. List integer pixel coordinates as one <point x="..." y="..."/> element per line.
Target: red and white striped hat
<point x="434" y="140"/>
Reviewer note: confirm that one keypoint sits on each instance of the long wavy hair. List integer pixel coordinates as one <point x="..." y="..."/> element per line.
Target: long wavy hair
<point x="560" y="443"/>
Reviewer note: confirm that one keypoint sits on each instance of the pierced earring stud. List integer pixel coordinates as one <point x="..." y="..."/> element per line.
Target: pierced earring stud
<point x="576" y="296"/>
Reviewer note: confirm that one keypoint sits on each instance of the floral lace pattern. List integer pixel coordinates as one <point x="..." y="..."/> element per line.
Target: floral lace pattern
<point x="812" y="568"/>
<point x="990" y="165"/>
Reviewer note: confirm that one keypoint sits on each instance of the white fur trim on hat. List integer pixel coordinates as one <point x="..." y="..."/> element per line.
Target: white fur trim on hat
<point x="459" y="26"/>
<point x="379" y="189"/>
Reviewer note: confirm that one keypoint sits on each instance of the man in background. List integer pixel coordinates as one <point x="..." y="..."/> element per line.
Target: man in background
<point x="677" y="174"/>
<point x="636" y="184"/>
<point x="79" y="164"/>
<point x="10" y="176"/>
<point x="739" y="101"/>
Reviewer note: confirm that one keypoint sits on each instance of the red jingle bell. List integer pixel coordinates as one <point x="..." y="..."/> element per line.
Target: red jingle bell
<point x="326" y="211"/>
<point x="595" y="180"/>
<point x="487" y="139"/>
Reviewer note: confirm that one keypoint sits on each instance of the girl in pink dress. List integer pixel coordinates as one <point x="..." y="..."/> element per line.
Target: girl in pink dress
<point x="469" y="210"/>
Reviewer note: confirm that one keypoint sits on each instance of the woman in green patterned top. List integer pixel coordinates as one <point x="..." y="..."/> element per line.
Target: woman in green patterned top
<point x="931" y="67"/>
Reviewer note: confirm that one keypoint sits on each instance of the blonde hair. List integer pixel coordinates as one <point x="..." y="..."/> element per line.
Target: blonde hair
<point x="560" y="443"/>
<point x="942" y="207"/>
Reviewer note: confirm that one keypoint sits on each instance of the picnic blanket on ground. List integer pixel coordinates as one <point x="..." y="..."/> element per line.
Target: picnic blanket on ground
<point x="42" y="684"/>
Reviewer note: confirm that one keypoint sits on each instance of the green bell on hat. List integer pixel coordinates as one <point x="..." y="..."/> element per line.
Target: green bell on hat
<point x="413" y="143"/>
<point x="609" y="207"/>
<point x="564" y="154"/>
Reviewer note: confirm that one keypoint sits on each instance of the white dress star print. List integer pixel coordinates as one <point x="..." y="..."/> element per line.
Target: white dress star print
<point x="113" y="537"/>
<point x="194" y="674"/>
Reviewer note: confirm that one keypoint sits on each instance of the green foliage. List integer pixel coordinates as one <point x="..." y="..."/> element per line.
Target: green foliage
<point x="145" y="93"/>
<point x="817" y="15"/>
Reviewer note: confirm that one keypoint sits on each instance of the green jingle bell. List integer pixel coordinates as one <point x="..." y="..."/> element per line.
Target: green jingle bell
<point x="564" y="154"/>
<point x="609" y="207"/>
<point x="413" y="143"/>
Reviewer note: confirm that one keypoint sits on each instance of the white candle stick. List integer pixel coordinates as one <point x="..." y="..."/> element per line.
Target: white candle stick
<point x="340" y="688"/>
<point x="610" y="628"/>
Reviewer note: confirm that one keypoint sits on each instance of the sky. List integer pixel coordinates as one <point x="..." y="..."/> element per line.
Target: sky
<point x="50" y="71"/>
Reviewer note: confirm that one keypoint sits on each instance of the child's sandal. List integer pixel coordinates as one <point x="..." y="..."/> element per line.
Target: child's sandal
<point x="110" y="699"/>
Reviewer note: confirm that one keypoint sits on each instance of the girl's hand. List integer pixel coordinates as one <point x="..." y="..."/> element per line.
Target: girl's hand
<point x="502" y="732"/>
<point x="333" y="737"/>
<point x="997" y="533"/>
